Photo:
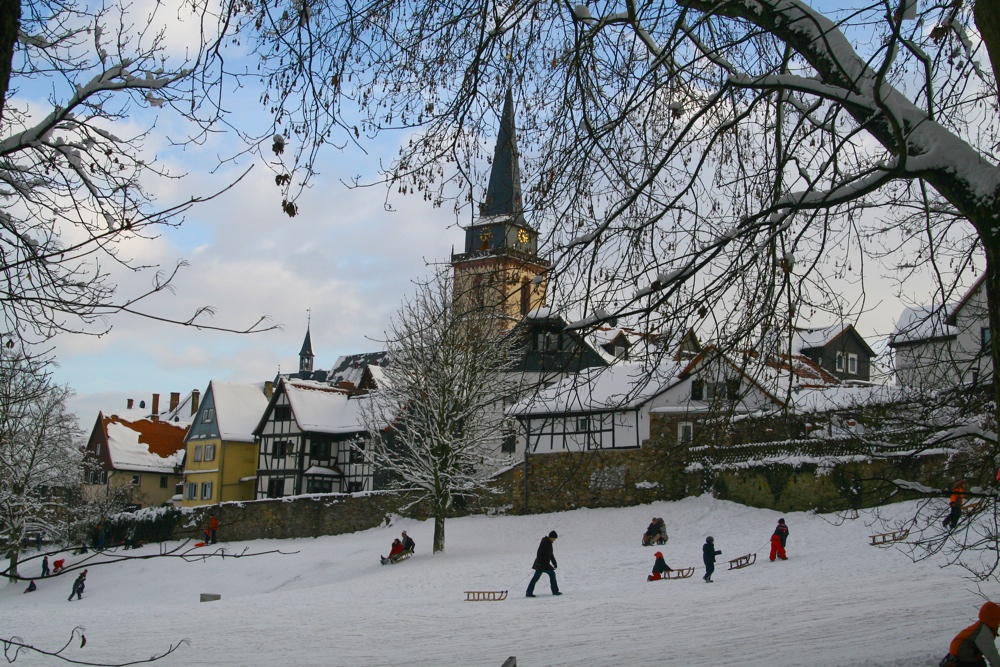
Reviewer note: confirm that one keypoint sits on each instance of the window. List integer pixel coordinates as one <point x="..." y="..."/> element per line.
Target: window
<point x="209" y="452"/>
<point x="685" y="432"/>
<point x="733" y="388"/>
<point x="206" y="490"/>
<point x="282" y="413"/>
<point x="191" y="491"/>
<point x="840" y="362"/>
<point x="319" y="449"/>
<point x="621" y="352"/>
<point x="319" y="485"/>
<point x="355" y="487"/>
<point x="136" y="480"/>
<point x="275" y="488"/>
<point x="985" y="339"/>
<point x="197" y="452"/>
<point x="280" y="449"/>
<point x="698" y="390"/>
<point x="97" y="477"/>
<point x="357" y="454"/>
<point x="163" y="481"/>
<point x="207" y="415"/>
<point x="509" y="443"/>
<point x="852" y="364"/>
<point x="583" y="424"/>
<point x="525" y="297"/>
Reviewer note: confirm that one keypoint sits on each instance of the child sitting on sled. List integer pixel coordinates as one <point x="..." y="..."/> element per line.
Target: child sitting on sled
<point x="394" y="552"/>
<point x="659" y="567"/>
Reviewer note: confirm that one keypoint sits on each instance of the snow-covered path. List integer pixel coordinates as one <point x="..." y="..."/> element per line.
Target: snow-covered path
<point x="836" y="601"/>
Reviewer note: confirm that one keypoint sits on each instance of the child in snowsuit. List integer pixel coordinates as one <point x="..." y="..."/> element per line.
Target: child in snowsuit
<point x="31" y="587"/>
<point x="45" y="566"/>
<point x="659" y="567"/>
<point x="394" y="552"/>
<point x="955" y="502"/>
<point x="778" y="541"/>
<point x="57" y="565"/>
<point x="976" y="642"/>
<point x="78" y="586"/>
<point x="708" y="554"/>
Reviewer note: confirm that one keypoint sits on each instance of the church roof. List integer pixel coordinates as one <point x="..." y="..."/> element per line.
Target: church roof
<point x="503" y="195"/>
<point x="307" y="345"/>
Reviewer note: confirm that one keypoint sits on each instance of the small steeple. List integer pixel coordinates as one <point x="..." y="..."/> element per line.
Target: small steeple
<point x="503" y="195"/>
<point x="306" y="353"/>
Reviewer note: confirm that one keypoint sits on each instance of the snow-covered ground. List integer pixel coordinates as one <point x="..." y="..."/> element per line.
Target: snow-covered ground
<point x="836" y="601"/>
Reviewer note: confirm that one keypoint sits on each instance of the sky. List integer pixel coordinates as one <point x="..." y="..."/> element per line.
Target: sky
<point x="836" y="602"/>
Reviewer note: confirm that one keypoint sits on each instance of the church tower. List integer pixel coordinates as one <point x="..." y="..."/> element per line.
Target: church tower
<point x="500" y="268"/>
<point x="306" y="353"/>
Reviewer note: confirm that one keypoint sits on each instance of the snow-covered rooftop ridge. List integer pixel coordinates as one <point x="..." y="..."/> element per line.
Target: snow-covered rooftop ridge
<point x="922" y="323"/>
<point x="806" y="338"/>
<point x="238" y="409"/>
<point x="617" y="387"/>
<point x="842" y="397"/>
<point x="319" y="407"/>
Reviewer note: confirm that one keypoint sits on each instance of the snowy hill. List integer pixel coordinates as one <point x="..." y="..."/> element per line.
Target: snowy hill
<point x="836" y="601"/>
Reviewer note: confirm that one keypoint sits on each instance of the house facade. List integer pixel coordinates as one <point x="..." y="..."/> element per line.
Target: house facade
<point x="839" y="350"/>
<point x="135" y="454"/>
<point x="222" y="454"/>
<point x="935" y="347"/>
<point x="310" y="441"/>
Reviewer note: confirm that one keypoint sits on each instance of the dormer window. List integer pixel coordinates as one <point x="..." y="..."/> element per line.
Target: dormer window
<point x="840" y="362"/>
<point x="852" y="364"/>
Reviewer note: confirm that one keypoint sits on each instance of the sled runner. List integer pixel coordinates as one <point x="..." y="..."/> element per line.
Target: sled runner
<point x="400" y="557"/>
<point x="485" y="596"/>
<point x="655" y="542"/>
<point x="886" y="538"/>
<point x="742" y="561"/>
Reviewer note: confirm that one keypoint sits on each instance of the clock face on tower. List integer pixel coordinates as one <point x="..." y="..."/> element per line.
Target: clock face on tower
<point x="523" y="237"/>
<point x="485" y="234"/>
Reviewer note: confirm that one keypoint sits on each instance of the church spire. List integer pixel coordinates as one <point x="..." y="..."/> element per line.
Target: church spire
<point x="503" y="195"/>
<point x="306" y="353"/>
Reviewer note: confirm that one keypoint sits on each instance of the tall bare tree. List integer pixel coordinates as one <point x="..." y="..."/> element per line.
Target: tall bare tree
<point x="40" y="462"/>
<point x="435" y="422"/>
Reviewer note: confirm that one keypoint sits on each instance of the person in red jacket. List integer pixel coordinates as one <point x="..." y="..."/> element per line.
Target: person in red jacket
<point x="778" y="540"/>
<point x="976" y="645"/>
<point x="394" y="552"/>
<point x="659" y="567"/>
<point x="955" y="502"/>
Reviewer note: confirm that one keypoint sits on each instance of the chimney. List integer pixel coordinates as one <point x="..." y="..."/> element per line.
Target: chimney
<point x="175" y="400"/>
<point x="156" y="407"/>
<point x="129" y="402"/>
<point x="195" y="400"/>
<point x="268" y="389"/>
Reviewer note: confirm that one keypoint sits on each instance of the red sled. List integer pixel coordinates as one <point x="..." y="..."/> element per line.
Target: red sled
<point x="199" y="544"/>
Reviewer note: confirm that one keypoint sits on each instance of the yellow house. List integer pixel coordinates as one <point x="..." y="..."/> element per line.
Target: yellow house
<point x="221" y="460"/>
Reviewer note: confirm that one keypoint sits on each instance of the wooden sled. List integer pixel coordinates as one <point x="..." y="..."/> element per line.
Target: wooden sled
<point x="485" y="596"/>
<point x="972" y="508"/>
<point x="742" y="561"/>
<point x="401" y="557"/>
<point x="886" y="538"/>
<point x="676" y="573"/>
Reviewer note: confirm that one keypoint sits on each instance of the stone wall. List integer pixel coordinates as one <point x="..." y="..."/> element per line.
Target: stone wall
<point x="301" y="516"/>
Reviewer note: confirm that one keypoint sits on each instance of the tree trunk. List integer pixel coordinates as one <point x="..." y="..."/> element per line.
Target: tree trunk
<point x="10" y="24"/>
<point x="991" y="244"/>
<point x="987" y="15"/>
<point x="12" y="557"/>
<point x="440" y="508"/>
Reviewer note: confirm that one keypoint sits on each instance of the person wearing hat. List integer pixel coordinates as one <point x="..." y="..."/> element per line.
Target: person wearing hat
<point x="778" y="538"/>
<point x="659" y="567"/>
<point x="976" y="642"/>
<point x="545" y="561"/>
<point x="708" y="554"/>
<point x="956" y="501"/>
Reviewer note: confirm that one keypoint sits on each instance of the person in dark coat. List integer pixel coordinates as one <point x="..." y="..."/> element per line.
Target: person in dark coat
<point x="408" y="544"/>
<point x="708" y="554"/>
<point x="778" y="539"/>
<point x="659" y="567"/>
<point x="31" y="587"/>
<point x="656" y="533"/>
<point x="545" y="561"/>
<point x="45" y="566"/>
<point x="955" y="502"/>
<point x="78" y="586"/>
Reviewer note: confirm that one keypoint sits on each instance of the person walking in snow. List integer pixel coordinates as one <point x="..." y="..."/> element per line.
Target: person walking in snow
<point x="408" y="544"/>
<point x="976" y="642"/>
<point x="545" y="561"/>
<point x="778" y="538"/>
<point x="78" y="586"/>
<point x="708" y="554"/>
<point x="659" y="567"/>
<point x="45" y="566"/>
<point x="956" y="501"/>
<point x="211" y="534"/>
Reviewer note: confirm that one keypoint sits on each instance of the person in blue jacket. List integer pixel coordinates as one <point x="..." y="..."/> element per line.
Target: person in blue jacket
<point x="708" y="554"/>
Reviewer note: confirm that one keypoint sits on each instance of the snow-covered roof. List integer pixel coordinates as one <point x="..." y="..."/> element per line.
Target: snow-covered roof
<point x="842" y="397"/>
<point x="922" y="323"/>
<point x="144" y="445"/>
<point x="319" y="407"/>
<point x="809" y="338"/>
<point x="238" y="409"/>
<point x="619" y="387"/>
